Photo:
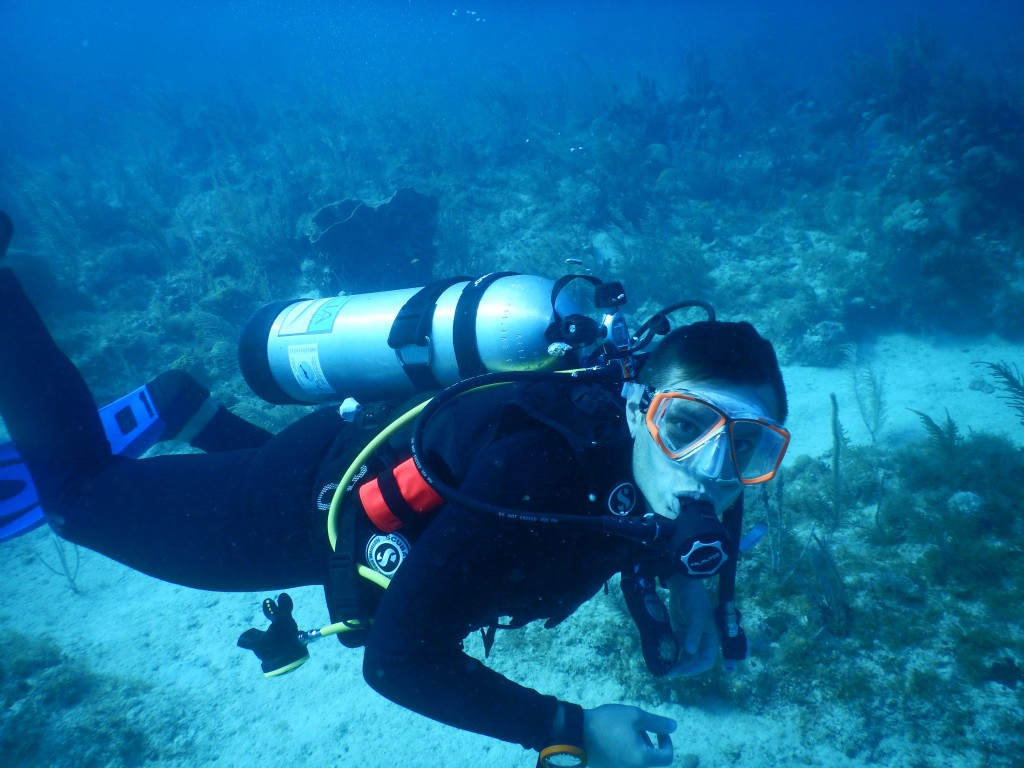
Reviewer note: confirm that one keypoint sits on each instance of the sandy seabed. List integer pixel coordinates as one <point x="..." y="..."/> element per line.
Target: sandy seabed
<point x="215" y="707"/>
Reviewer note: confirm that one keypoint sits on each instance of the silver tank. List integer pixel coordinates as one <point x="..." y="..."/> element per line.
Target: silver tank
<point x="324" y="350"/>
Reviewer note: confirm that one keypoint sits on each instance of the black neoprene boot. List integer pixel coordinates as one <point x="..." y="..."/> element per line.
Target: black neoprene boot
<point x="183" y="403"/>
<point x="192" y="416"/>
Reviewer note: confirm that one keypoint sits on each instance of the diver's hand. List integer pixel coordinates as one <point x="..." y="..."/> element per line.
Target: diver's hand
<point x="617" y="736"/>
<point x="693" y="622"/>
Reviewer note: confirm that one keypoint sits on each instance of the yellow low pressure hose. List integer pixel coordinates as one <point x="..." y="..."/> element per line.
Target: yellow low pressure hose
<point x="383" y="436"/>
<point x="337" y="628"/>
<point x="357" y="462"/>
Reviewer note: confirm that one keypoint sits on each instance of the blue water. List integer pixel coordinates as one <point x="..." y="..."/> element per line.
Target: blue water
<point x="834" y="172"/>
<point x="74" y="71"/>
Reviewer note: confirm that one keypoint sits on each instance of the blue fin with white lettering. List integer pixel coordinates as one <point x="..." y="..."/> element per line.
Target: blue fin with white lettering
<point x="132" y="425"/>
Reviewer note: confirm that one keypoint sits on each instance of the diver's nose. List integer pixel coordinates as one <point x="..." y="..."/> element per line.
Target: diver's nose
<point x="713" y="459"/>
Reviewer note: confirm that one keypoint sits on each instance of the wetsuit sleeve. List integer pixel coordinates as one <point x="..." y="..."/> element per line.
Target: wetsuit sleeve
<point x="463" y="574"/>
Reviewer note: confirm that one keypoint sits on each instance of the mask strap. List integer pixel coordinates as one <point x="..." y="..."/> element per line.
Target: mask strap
<point x="631" y="389"/>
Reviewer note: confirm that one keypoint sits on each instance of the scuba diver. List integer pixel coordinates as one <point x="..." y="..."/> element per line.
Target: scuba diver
<point x="506" y="499"/>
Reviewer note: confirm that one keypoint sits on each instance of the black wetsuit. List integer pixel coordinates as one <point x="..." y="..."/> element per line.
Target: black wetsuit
<point x="253" y="519"/>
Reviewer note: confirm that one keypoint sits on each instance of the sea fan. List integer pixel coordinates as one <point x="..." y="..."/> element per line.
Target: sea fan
<point x="1009" y="378"/>
<point x="946" y="437"/>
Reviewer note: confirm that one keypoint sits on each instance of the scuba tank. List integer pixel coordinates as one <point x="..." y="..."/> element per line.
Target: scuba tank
<point x="393" y="344"/>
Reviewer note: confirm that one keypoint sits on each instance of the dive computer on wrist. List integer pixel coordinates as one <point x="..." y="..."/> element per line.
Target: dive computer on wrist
<point x="562" y="756"/>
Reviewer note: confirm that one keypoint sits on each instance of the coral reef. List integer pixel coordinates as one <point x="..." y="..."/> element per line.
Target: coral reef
<point x="55" y="711"/>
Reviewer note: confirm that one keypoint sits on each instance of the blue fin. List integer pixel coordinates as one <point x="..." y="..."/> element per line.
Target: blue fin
<point x="132" y="425"/>
<point x="751" y="538"/>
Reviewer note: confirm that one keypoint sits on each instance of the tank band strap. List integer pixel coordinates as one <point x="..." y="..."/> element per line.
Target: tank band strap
<point x="467" y="351"/>
<point x="398" y="497"/>
<point x="410" y="333"/>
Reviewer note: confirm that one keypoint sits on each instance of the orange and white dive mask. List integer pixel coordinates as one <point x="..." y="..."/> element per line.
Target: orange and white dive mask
<point x="720" y="437"/>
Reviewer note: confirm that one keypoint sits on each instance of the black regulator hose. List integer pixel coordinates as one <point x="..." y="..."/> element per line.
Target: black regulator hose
<point x="658" y="325"/>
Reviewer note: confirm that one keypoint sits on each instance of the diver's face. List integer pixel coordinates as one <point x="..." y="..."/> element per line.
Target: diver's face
<point x="666" y="483"/>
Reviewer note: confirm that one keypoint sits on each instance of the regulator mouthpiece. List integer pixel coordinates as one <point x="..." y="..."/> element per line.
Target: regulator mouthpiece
<point x="700" y="544"/>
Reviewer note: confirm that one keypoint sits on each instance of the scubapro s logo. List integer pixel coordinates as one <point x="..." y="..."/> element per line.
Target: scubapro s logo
<point x="622" y="499"/>
<point x="385" y="553"/>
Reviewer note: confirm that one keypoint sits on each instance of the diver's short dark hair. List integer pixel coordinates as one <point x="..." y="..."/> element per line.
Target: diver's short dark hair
<point x="733" y="352"/>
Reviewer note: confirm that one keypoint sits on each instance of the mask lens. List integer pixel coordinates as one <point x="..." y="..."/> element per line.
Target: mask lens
<point x="757" y="448"/>
<point x="682" y="423"/>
